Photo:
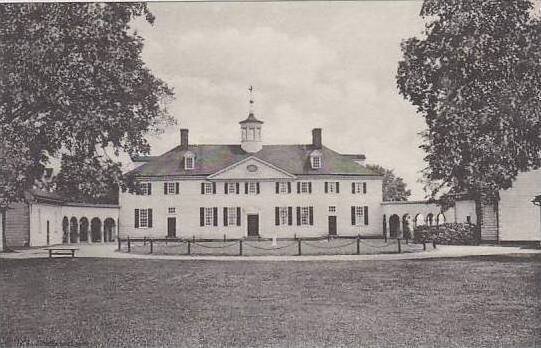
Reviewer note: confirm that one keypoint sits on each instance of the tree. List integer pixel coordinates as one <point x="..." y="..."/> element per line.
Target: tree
<point x="476" y="79"/>
<point x="73" y="84"/>
<point x="394" y="187"/>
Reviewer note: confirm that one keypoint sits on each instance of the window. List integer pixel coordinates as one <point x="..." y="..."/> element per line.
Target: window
<point x="208" y="188"/>
<point x="251" y="187"/>
<point x="244" y="134"/>
<point x="231" y="213"/>
<point x="332" y="187"/>
<point x="143" y="218"/>
<point x="171" y="210"/>
<point x="304" y="187"/>
<point x="305" y="215"/>
<point x="283" y="187"/>
<point x="358" y="187"/>
<point x="189" y="161"/>
<point x="170" y="188"/>
<point x="359" y="215"/>
<point x="230" y="188"/>
<point x="315" y="159"/>
<point x="145" y="188"/>
<point x="209" y="216"/>
<point x="332" y="209"/>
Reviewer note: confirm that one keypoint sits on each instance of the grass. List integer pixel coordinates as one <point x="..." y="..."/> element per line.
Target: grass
<point x="483" y="301"/>
<point x="258" y="248"/>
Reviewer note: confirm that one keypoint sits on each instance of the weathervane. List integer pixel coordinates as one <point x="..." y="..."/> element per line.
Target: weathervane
<point x="251" y="89"/>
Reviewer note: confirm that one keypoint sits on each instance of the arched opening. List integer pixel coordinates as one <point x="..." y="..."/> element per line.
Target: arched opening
<point x="74" y="227"/>
<point x="83" y="230"/>
<point x="109" y="229"/>
<point x="430" y="219"/>
<point x="406" y="230"/>
<point x="419" y="220"/>
<point x="65" y="230"/>
<point x="440" y="219"/>
<point x="95" y="230"/>
<point x="394" y="226"/>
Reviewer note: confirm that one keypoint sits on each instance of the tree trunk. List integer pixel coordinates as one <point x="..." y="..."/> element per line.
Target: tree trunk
<point x="3" y="232"/>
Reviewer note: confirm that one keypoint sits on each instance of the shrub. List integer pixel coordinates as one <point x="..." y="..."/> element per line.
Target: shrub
<point x="448" y="234"/>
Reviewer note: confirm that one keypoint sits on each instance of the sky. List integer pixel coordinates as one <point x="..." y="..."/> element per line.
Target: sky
<point x="328" y="65"/>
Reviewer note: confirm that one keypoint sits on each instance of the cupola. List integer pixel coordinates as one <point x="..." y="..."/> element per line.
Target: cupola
<point x="251" y="130"/>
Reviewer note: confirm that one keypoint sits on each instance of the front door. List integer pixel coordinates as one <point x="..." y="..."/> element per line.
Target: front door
<point x="171" y="227"/>
<point x="253" y="225"/>
<point x="332" y="225"/>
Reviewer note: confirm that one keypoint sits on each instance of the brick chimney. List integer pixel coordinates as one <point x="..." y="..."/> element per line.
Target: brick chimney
<point x="184" y="138"/>
<point x="316" y="138"/>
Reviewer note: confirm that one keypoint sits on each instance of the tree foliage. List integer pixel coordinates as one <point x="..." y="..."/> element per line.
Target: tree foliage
<point x="72" y="83"/>
<point x="476" y="79"/>
<point x="394" y="187"/>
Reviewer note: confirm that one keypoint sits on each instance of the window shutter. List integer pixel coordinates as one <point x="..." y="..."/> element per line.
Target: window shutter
<point x="298" y="187"/>
<point x="214" y="187"/>
<point x="298" y="216"/>
<point x="310" y="187"/>
<point x="177" y="188"/>
<point x="311" y="209"/>
<point x="337" y="187"/>
<point x="364" y="187"/>
<point x="326" y="187"/>
<point x="290" y="216"/>
<point x="164" y="188"/>
<point x="353" y="216"/>
<point x="136" y="223"/>
<point x="202" y="189"/>
<point x="225" y="216"/>
<point x="365" y="215"/>
<point x="277" y="216"/>
<point x="201" y="216"/>
<point x="277" y="187"/>
<point x="215" y="213"/>
<point x="288" y="187"/>
<point x="238" y="216"/>
<point x="245" y="188"/>
<point x="238" y="187"/>
<point x="149" y="186"/>
<point x="149" y="217"/>
<point x="225" y="187"/>
<point x="257" y="187"/>
<point x="352" y="187"/>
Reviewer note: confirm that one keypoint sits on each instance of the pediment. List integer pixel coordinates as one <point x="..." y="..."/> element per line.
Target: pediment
<point x="251" y="168"/>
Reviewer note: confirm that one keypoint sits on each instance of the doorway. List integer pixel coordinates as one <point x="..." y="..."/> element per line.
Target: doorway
<point x="171" y="227"/>
<point x="253" y="225"/>
<point x="332" y="225"/>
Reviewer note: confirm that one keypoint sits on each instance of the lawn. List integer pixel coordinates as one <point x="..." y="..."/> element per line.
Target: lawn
<point x="485" y="301"/>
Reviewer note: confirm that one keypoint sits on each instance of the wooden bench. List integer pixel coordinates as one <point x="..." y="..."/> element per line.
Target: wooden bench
<point x="62" y="251"/>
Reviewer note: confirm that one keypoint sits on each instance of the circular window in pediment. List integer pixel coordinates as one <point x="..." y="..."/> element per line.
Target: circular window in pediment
<point x="252" y="168"/>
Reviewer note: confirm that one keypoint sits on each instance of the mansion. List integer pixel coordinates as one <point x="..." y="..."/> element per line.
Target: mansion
<point x="251" y="190"/>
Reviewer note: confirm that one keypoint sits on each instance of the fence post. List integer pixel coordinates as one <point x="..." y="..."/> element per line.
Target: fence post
<point x="385" y="236"/>
<point x="151" y="246"/>
<point x="144" y="241"/>
<point x="358" y="244"/>
<point x="299" y="245"/>
<point x="129" y="244"/>
<point x="399" y="246"/>
<point x="189" y="247"/>
<point x="240" y="247"/>
<point x="424" y="245"/>
<point x="119" y="245"/>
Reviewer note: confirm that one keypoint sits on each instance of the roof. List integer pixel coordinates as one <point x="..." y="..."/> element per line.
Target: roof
<point x="251" y="118"/>
<point x="42" y="195"/>
<point x="294" y="159"/>
<point x="138" y="158"/>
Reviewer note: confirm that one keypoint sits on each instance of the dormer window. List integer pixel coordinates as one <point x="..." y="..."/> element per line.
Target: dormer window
<point x="189" y="161"/>
<point x="315" y="159"/>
